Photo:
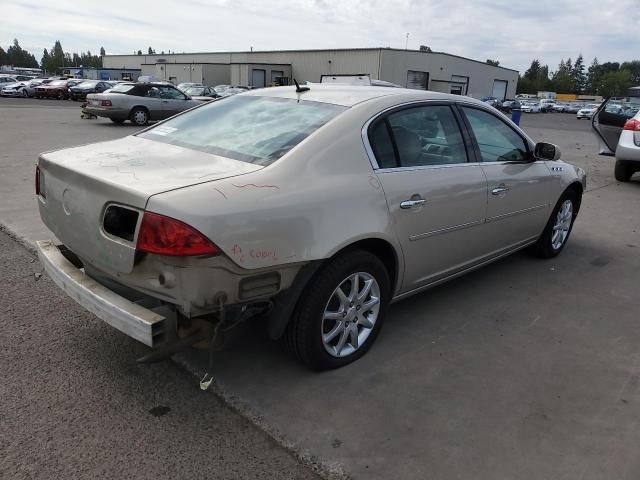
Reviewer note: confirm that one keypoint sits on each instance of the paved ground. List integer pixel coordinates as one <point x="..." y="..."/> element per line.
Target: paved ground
<point x="526" y="369"/>
<point x="73" y="402"/>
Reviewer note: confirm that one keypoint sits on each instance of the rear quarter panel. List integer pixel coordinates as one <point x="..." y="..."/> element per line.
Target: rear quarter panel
<point x="319" y="198"/>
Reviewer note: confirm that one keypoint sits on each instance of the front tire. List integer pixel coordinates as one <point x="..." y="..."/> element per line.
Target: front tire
<point x="622" y="172"/>
<point x="558" y="228"/>
<point x="341" y="312"/>
<point x="139" y="116"/>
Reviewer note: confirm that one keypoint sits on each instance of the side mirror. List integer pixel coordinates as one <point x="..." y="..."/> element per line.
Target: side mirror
<point x="547" y="151"/>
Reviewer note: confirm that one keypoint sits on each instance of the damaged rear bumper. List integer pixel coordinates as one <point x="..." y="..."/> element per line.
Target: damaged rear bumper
<point x="145" y="325"/>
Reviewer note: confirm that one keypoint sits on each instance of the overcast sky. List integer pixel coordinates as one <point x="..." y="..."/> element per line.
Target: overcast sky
<point x="512" y="31"/>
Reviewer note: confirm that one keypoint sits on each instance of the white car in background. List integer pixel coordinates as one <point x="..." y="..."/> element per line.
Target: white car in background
<point x="530" y="107"/>
<point x="12" y="89"/>
<point x="587" y="112"/>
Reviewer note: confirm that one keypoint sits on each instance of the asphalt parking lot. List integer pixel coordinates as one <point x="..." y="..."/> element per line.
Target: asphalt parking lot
<point x="525" y="369"/>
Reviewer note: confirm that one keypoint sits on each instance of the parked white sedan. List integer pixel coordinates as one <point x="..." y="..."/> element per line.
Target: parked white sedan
<point x="587" y="112"/>
<point x="530" y="107"/>
<point x="317" y="207"/>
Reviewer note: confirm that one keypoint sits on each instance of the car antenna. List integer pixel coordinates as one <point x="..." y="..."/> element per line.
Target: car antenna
<point x="300" y="89"/>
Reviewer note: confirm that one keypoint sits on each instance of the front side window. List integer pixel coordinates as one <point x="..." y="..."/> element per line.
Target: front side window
<point x="496" y="140"/>
<point x="171" y="93"/>
<point x="418" y="136"/>
<point x="250" y="128"/>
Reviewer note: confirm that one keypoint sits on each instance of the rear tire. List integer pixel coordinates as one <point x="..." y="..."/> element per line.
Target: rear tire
<point x="354" y="319"/>
<point x="139" y="116"/>
<point x="558" y="228"/>
<point x="622" y="172"/>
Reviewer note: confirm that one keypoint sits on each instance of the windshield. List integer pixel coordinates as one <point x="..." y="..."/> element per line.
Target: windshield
<point x="122" y="88"/>
<point x="58" y="83"/>
<point x="195" y="91"/>
<point x="249" y="128"/>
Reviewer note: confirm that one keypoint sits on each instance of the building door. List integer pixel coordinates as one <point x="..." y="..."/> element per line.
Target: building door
<point x="275" y="76"/>
<point x="258" y="78"/>
<point x="500" y="89"/>
<point x="417" y="80"/>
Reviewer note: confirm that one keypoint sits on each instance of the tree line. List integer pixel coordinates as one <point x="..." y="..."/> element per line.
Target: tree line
<point x="606" y="79"/>
<point x="52" y="61"/>
<point x="16" y="56"/>
<point x="56" y="59"/>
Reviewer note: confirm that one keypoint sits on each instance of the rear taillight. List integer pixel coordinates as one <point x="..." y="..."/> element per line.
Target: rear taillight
<point x="632" y="124"/>
<point x="106" y="103"/>
<point x="167" y="236"/>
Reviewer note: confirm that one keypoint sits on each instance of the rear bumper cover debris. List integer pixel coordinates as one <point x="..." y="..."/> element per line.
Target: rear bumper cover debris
<point x="132" y="319"/>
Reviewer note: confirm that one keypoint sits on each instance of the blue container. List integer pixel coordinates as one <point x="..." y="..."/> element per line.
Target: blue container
<point x="515" y="116"/>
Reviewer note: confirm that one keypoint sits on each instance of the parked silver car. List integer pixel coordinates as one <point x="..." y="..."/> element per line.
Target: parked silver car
<point x="617" y="125"/>
<point x="139" y="102"/>
<point x="315" y="206"/>
<point x="12" y="89"/>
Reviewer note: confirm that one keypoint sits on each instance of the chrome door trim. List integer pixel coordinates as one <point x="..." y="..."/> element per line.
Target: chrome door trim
<point x="364" y="132"/>
<point x="440" y="231"/>
<point x="449" y="102"/>
<point x="517" y="212"/>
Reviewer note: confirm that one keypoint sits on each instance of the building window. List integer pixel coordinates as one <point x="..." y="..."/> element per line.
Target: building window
<point x="417" y="80"/>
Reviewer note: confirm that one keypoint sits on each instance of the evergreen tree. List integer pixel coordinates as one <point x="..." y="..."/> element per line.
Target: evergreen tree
<point x="533" y="71"/>
<point x="578" y="75"/>
<point x="102" y="52"/>
<point x="593" y="74"/>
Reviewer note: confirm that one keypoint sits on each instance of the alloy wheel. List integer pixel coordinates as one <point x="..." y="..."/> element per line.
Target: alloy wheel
<point x="350" y="314"/>
<point x="562" y="225"/>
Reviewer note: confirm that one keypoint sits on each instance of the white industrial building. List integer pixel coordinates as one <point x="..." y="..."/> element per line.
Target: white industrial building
<point x="434" y="71"/>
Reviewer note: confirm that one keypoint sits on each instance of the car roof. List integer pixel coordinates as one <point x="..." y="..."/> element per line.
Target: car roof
<point x="348" y="95"/>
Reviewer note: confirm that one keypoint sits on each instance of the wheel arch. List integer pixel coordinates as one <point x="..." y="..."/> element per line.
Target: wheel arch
<point x="140" y="106"/>
<point x="576" y="187"/>
<point x="286" y="301"/>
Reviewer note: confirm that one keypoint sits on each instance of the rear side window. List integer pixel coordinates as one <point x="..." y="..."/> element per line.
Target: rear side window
<point x="418" y="136"/>
<point x="253" y="129"/>
<point x="496" y="140"/>
<point x="382" y="145"/>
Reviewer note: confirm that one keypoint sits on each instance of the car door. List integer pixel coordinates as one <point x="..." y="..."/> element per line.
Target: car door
<point x="154" y="102"/>
<point x="436" y="197"/>
<point x="101" y="87"/>
<point x="520" y="188"/>
<point x="608" y="121"/>
<point x="173" y="101"/>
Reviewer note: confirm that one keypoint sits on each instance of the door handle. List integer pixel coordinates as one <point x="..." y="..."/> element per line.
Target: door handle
<point x="499" y="189"/>
<point x="412" y="203"/>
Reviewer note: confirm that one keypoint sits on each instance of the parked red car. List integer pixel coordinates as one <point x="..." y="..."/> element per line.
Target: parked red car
<point x="56" y="89"/>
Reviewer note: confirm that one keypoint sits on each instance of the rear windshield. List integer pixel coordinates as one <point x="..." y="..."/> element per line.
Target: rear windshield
<point x="89" y="84"/>
<point x="249" y="128"/>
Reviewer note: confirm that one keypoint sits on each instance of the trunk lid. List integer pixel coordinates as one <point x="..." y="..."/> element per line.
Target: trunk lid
<point x="80" y="183"/>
